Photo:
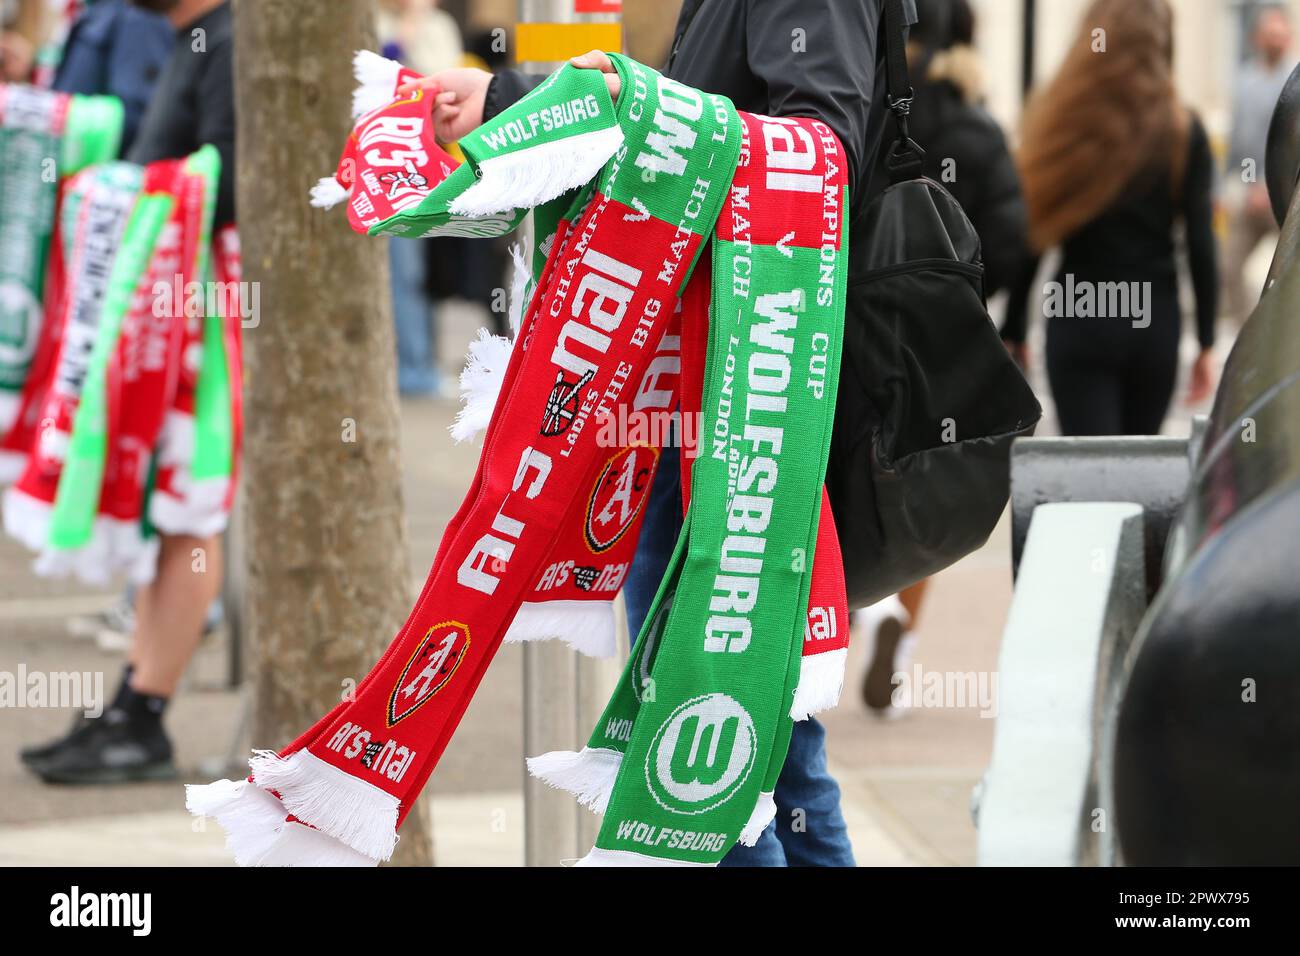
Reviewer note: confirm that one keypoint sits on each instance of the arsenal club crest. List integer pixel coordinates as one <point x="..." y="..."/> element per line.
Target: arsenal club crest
<point x="618" y="496"/>
<point x="429" y="669"/>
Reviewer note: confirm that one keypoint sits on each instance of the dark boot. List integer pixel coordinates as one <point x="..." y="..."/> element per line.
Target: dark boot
<point x="126" y="744"/>
<point x="38" y="753"/>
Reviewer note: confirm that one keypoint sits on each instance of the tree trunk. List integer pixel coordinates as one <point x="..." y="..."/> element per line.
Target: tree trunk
<point x="326" y="544"/>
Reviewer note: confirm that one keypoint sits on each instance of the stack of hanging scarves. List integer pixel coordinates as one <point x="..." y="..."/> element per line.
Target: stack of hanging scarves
<point x="691" y="255"/>
<point x="128" y="418"/>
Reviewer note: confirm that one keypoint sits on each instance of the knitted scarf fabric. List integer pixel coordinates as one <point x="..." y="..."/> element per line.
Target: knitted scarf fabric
<point x="826" y="637"/>
<point x="97" y="214"/>
<point x="45" y="137"/>
<point x="202" y="431"/>
<point x="573" y="598"/>
<point x="83" y="499"/>
<point x="599" y="311"/>
<point x="615" y="266"/>
<point x="685" y="758"/>
<point x="98" y="522"/>
<point x="572" y="601"/>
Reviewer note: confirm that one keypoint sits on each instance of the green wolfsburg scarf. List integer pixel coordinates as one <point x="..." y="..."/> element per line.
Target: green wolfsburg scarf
<point x="685" y="758"/>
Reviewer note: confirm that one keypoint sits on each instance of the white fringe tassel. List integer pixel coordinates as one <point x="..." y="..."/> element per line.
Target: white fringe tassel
<point x="328" y="193"/>
<point x="520" y="277"/>
<point x="531" y="176"/>
<point x="821" y="679"/>
<point x="26" y="519"/>
<point x="376" y="78"/>
<point x="299" y="845"/>
<point x="198" y="508"/>
<point x="9" y="405"/>
<point x="351" y="810"/>
<point x="586" y="626"/>
<point x="764" y="813"/>
<point x="599" y="857"/>
<point x="12" y="465"/>
<point x="194" y="507"/>
<point x="251" y="817"/>
<point x="588" y="774"/>
<point x="176" y="439"/>
<point x="114" y="546"/>
<point x="480" y="384"/>
<point x="485" y="362"/>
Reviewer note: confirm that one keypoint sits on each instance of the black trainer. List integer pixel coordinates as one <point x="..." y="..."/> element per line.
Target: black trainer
<point x="81" y="724"/>
<point x="38" y="753"/>
<point x="113" y="749"/>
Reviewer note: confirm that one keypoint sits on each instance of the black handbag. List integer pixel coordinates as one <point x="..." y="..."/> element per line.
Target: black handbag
<point x="929" y="399"/>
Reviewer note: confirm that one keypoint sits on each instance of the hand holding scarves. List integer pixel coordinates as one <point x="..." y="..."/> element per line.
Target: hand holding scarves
<point x="714" y="735"/>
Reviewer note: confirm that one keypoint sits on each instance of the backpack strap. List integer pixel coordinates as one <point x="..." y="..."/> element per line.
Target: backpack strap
<point x="904" y="160"/>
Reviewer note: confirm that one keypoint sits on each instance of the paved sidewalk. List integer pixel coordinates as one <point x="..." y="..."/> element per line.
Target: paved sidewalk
<point x="483" y="829"/>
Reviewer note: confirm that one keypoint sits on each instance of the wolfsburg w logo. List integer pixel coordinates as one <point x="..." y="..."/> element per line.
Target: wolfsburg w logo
<point x="701" y="755"/>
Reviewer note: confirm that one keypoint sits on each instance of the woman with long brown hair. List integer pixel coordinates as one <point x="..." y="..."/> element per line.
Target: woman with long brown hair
<point x="1110" y="163"/>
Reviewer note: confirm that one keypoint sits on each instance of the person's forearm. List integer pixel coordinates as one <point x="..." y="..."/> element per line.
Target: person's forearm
<point x="1203" y="263"/>
<point x="1000" y="223"/>
<point x="1205" y="284"/>
<point x="1202" y="249"/>
<point x="1015" y="325"/>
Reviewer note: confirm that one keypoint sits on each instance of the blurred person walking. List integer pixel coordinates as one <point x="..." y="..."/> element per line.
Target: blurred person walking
<point x="193" y="105"/>
<point x="965" y="148"/>
<point x="117" y="49"/>
<point x="1110" y="163"/>
<point x="1245" y="195"/>
<point x="967" y="152"/>
<point x="419" y="35"/>
<point x="24" y="26"/>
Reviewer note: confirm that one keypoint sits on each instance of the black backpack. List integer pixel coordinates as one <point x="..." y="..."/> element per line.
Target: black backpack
<point x="929" y="399"/>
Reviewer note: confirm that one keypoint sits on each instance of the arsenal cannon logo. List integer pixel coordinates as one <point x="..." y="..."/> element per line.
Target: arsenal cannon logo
<point x="430" y="667"/>
<point x="619" y="494"/>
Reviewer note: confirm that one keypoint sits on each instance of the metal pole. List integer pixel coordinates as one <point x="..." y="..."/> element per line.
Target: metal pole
<point x="561" y="688"/>
<point x="1027" y="48"/>
<point x="550" y="723"/>
<point x="234" y="589"/>
<point x="596" y="680"/>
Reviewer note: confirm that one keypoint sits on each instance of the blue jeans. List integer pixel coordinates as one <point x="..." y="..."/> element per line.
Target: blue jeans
<point x="412" y="321"/>
<point x="809" y="828"/>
